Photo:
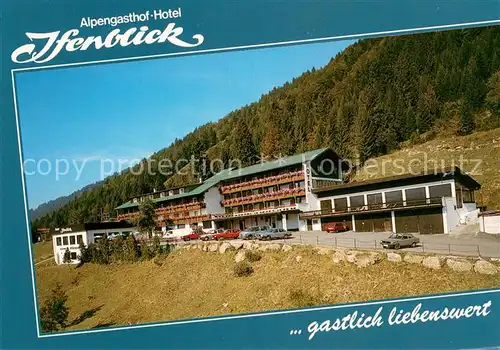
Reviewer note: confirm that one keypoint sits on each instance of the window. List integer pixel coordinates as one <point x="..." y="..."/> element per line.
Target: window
<point x="207" y="224"/>
<point x="468" y="196"/>
<point x="394" y="197"/>
<point x="375" y="198"/>
<point x="357" y="201"/>
<point x="340" y="203"/>
<point x="326" y="207"/>
<point x="58" y="240"/>
<point x="65" y="240"/>
<point x="72" y="239"/>
<point x="73" y="255"/>
<point x="440" y="191"/>
<point x="458" y="194"/>
<point x="79" y="239"/>
<point x="415" y="194"/>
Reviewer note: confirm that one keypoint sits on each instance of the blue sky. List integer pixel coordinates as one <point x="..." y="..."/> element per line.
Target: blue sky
<point x="131" y="110"/>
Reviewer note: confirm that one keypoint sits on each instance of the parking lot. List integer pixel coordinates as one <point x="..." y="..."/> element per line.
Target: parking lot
<point x="465" y="244"/>
<point x="487" y="246"/>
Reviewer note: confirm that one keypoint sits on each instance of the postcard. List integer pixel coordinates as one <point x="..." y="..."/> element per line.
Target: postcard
<point x="251" y="175"/>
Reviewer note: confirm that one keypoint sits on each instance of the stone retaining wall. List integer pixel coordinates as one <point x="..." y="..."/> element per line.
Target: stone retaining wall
<point x="361" y="258"/>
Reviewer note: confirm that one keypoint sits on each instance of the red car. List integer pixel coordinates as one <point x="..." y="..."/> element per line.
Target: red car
<point x="228" y="234"/>
<point x="191" y="236"/>
<point x="335" y="227"/>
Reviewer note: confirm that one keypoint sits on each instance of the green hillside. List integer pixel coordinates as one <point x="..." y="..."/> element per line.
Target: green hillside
<point x="477" y="154"/>
<point x="367" y="102"/>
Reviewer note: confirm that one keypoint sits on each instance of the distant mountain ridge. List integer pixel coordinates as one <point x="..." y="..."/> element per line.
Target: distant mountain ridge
<point x="366" y="102"/>
<point x="50" y="206"/>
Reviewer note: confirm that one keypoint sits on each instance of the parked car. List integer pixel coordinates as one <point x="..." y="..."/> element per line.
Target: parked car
<point x="253" y="232"/>
<point x="191" y="236"/>
<point x="273" y="233"/>
<point x="335" y="227"/>
<point x="227" y="234"/>
<point x="400" y="240"/>
<point x="210" y="234"/>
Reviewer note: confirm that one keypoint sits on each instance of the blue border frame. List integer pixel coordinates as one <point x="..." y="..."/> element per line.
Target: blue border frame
<point x="225" y="26"/>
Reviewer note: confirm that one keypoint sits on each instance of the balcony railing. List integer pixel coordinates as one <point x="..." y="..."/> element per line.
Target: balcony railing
<point x="187" y="220"/>
<point x="267" y="181"/>
<point x="429" y="202"/>
<point x="128" y="216"/>
<point x="270" y="210"/>
<point x="269" y="196"/>
<point x="180" y="208"/>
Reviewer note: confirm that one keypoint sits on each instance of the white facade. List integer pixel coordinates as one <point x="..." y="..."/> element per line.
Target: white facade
<point x="489" y="223"/>
<point x="316" y="205"/>
<point x="213" y="199"/>
<point x="69" y="239"/>
<point x="452" y="214"/>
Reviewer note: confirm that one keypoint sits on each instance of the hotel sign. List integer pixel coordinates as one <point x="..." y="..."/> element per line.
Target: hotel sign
<point x="308" y="177"/>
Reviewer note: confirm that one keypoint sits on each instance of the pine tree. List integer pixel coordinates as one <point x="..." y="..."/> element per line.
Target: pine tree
<point x="242" y="148"/>
<point x="269" y="146"/>
<point x="131" y="249"/>
<point x="146" y="223"/>
<point x="467" y="123"/>
<point x="493" y="94"/>
<point x="67" y="256"/>
<point x="54" y="312"/>
<point x="365" y="133"/>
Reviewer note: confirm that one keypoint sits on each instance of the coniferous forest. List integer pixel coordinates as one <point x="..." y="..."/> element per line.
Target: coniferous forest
<point x="367" y="101"/>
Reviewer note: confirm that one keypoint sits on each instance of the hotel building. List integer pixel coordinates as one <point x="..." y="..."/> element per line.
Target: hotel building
<point x="305" y="191"/>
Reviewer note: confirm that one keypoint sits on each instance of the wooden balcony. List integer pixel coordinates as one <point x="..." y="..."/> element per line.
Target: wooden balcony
<point x="167" y="212"/>
<point x="374" y="208"/>
<point x="269" y="196"/>
<point x="256" y="212"/>
<point x="128" y="217"/>
<point x="180" y="208"/>
<point x="184" y="220"/>
<point x="264" y="182"/>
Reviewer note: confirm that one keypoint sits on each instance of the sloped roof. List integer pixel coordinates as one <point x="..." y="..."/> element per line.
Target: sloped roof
<point x="228" y="174"/>
<point x="389" y="181"/>
<point x="275" y="164"/>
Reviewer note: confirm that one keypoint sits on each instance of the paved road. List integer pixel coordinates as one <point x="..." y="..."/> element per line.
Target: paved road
<point x="463" y="245"/>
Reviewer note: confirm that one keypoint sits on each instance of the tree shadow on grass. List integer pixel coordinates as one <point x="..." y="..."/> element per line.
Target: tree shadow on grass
<point x="85" y="315"/>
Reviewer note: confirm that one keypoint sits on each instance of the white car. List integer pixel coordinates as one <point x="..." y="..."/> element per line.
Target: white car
<point x="210" y="234"/>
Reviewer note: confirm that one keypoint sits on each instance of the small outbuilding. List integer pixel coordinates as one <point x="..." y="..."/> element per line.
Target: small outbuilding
<point x="489" y="222"/>
<point x="69" y="238"/>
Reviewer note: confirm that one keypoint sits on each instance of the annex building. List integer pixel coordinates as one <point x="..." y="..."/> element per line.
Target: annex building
<point x="304" y="191"/>
<point x="69" y="238"/>
<point x="423" y="203"/>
